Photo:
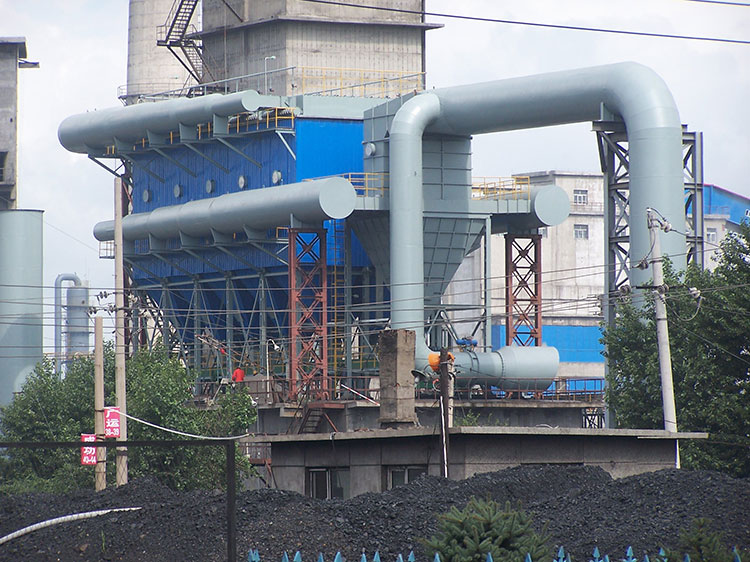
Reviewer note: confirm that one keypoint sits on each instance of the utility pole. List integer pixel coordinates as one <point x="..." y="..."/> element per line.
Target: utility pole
<point x="445" y="408"/>
<point x="100" y="472"/>
<point x="655" y="224"/>
<point x="122" y="452"/>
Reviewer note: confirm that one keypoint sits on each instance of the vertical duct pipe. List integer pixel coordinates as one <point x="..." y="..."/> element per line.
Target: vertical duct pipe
<point x="59" y="280"/>
<point x="629" y="90"/>
<point x="77" y="300"/>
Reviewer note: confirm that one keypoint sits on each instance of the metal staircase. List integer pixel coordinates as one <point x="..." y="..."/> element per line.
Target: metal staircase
<point x="173" y="36"/>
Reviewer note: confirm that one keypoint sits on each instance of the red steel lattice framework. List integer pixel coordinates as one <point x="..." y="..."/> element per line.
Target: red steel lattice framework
<point x="308" y="306"/>
<point x="523" y="289"/>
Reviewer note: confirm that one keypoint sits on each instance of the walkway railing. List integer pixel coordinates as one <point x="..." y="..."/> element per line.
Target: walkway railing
<point x="493" y="187"/>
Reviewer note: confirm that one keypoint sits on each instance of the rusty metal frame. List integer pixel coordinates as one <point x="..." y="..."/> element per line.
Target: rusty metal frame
<point x="523" y="289"/>
<point x="308" y="306"/>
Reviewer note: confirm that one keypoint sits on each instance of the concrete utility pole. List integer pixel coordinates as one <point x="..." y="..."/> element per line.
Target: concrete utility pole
<point x="662" y="330"/>
<point x="445" y="408"/>
<point x="100" y="472"/>
<point x="122" y="452"/>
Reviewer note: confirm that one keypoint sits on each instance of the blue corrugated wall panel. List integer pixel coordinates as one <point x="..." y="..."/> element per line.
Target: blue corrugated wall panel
<point x="576" y="344"/>
<point x="326" y="147"/>
<point x="265" y="148"/>
<point x="322" y="147"/>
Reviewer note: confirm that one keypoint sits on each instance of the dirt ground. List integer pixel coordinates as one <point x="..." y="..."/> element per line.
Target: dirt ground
<point x="582" y="507"/>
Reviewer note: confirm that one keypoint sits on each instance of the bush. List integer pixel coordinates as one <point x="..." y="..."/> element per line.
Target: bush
<point x="702" y="544"/>
<point x="482" y="528"/>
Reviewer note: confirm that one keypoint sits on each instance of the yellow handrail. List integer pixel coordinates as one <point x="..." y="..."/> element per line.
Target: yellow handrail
<point x="492" y="187"/>
<point x="366" y="184"/>
<point x="337" y="81"/>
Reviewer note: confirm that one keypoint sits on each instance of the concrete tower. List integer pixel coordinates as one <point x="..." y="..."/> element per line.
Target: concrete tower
<point x="151" y="69"/>
<point x="12" y="57"/>
<point x="292" y="47"/>
<point x="20" y="240"/>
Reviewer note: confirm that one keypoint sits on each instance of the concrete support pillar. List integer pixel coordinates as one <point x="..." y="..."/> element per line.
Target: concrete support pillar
<point x="396" y="379"/>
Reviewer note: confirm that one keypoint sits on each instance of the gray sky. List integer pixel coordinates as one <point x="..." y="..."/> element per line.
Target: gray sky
<point x="82" y="46"/>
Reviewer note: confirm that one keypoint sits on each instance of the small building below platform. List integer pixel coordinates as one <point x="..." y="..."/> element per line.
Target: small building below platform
<point x="342" y="465"/>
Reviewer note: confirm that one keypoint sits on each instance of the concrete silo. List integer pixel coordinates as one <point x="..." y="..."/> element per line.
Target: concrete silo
<point x="20" y="298"/>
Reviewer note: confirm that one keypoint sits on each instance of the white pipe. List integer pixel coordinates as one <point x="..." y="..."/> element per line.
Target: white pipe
<point x="63" y="519"/>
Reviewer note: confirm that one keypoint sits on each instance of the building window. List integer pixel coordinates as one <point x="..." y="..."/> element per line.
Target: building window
<point x="400" y="475"/>
<point x="747" y="213"/>
<point x="581" y="231"/>
<point x="580" y="196"/>
<point x="3" y="157"/>
<point x="328" y="483"/>
<point x="711" y="235"/>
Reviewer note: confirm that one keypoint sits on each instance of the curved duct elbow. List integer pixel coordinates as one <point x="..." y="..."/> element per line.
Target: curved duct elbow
<point x="249" y="211"/>
<point x="632" y="91"/>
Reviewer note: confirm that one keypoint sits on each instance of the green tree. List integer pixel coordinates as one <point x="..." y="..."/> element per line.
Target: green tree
<point x="482" y="528"/>
<point x="710" y="347"/>
<point x="702" y="543"/>
<point x="159" y="391"/>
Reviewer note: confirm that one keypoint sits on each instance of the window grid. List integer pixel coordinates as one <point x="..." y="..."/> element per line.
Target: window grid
<point x="580" y="196"/>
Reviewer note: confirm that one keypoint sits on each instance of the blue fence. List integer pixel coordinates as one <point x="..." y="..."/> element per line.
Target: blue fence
<point x="562" y="556"/>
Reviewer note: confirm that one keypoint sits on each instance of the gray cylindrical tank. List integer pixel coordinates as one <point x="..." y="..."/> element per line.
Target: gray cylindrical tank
<point x="151" y="68"/>
<point x="78" y="321"/>
<point x="20" y="298"/>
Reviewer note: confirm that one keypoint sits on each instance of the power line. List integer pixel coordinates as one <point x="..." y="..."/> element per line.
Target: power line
<point x="724" y="2"/>
<point x="537" y="24"/>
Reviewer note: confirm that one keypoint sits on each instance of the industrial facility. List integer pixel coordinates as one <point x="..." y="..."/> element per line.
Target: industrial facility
<point x="295" y="204"/>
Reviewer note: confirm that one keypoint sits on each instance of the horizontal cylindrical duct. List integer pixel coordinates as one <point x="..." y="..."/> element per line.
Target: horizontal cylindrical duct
<point x="95" y="130"/>
<point x="248" y="211"/>
<point x="511" y="367"/>
<point x="550" y="206"/>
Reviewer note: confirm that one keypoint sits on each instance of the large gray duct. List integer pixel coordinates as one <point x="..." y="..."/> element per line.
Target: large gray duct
<point x="250" y="211"/>
<point x="94" y="131"/>
<point x="630" y="90"/>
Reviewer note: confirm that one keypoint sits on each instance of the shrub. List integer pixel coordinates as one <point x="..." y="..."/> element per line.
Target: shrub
<point x="482" y="528"/>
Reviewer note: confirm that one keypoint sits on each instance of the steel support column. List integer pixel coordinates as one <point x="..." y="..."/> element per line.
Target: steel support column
<point x="308" y="306"/>
<point x="615" y="164"/>
<point x="692" y="161"/>
<point x="523" y="289"/>
<point x="488" y="283"/>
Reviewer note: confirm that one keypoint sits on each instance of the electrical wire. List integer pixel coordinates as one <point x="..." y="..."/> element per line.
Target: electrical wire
<point x="182" y="433"/>
<point x="537" y="24"/>
<point x="724" y="2"/>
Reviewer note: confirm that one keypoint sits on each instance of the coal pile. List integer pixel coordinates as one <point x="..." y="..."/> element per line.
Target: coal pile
<point x="581" y="506"/>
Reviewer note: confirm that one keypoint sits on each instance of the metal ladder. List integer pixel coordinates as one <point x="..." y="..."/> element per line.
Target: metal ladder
<point x="172" y="35"/>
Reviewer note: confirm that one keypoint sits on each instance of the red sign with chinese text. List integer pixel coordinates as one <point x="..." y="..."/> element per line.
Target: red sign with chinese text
<point x="88" y="454"/>
<point x="111" y="422"/>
